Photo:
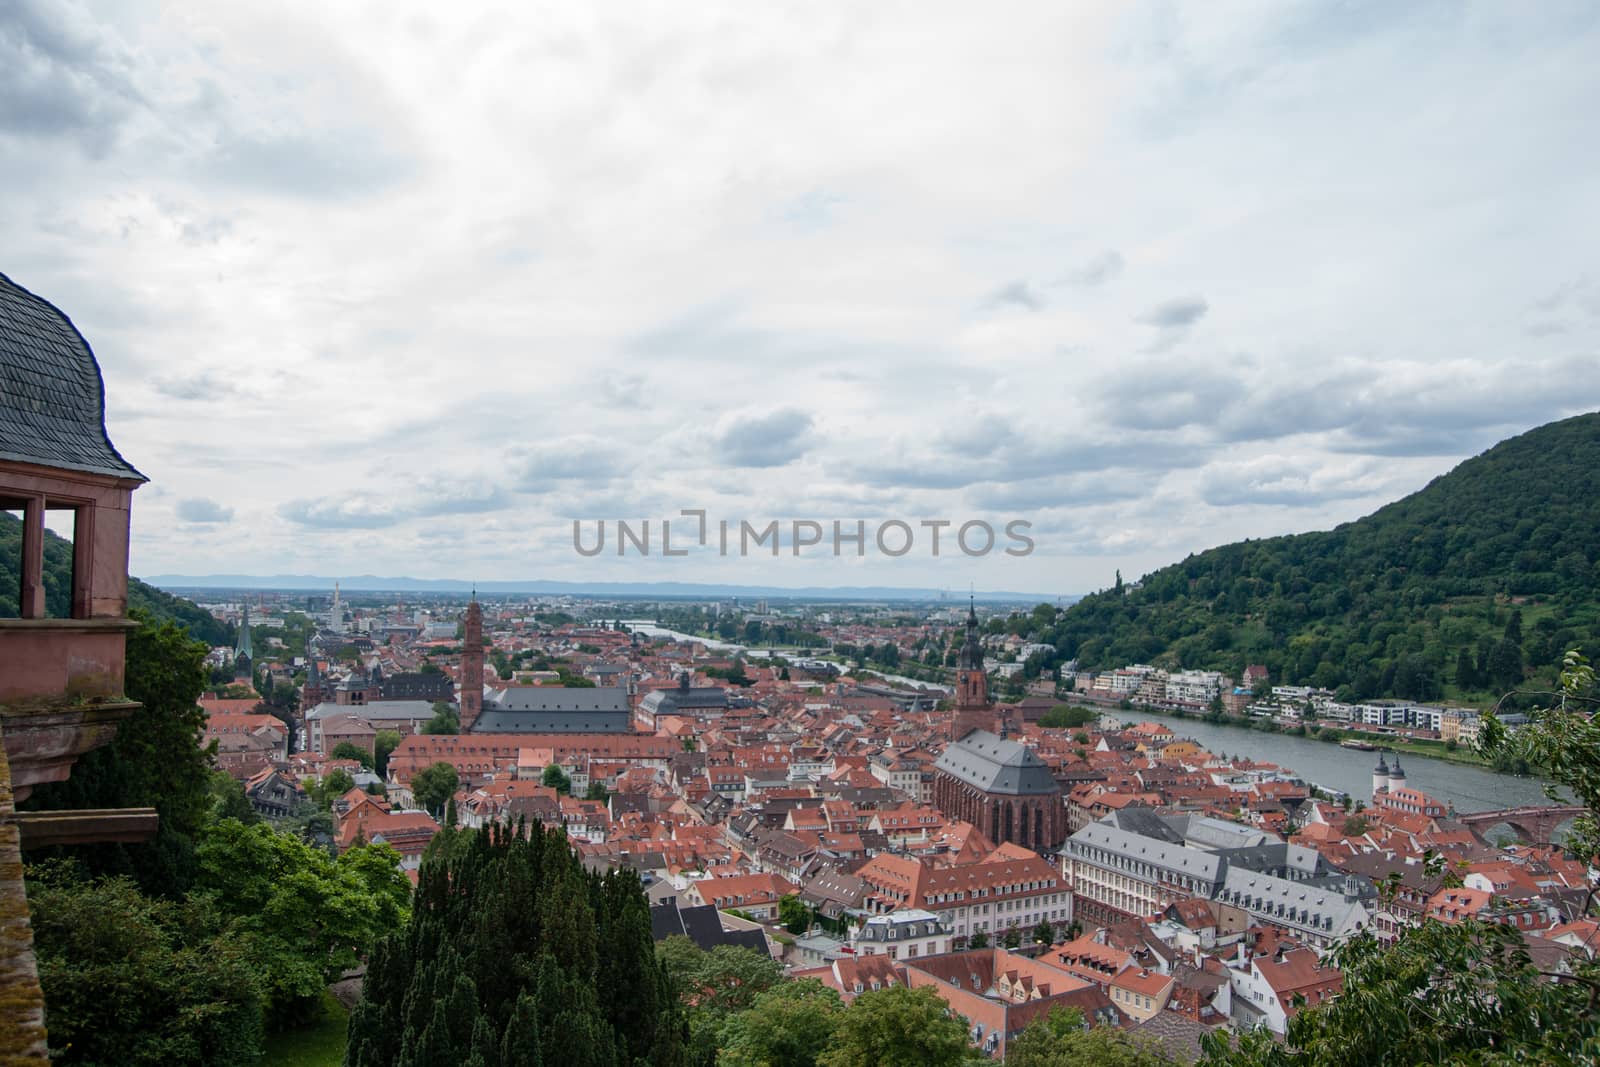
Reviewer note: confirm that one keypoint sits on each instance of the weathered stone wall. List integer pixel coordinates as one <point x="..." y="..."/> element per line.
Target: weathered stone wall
<point x="22" y="1034"/>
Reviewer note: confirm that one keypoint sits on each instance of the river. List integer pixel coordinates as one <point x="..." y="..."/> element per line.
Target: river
<point x="650" y="629"/>
<point x="1468" y="788"/>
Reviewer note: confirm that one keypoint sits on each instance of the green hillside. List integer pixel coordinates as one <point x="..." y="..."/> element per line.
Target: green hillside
<point x="1462" y="589"/>
<point x="58" y="587"/>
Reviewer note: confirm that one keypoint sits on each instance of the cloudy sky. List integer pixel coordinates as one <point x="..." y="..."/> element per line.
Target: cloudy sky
<point x="397" y="288"/>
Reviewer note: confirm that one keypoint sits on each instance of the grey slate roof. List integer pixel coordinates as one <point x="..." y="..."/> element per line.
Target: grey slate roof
<point x="558" y="698"/>
<point x="375" y="710"/>
<point x="551" y="709"/>
<point x="1295" y="905"/>
<point x="1207" y="867"/>
<point x="702" y="925"/>
<point x="552" y="722"/>
<point x="997" y="766"/>
<point x="685" y="698"/>
<point x="52" y="400"/>
<point x="417" y="686"/>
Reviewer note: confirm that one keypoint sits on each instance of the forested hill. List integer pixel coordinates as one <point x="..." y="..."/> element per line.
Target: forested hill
<point x="157" y="604"/>
<point x="1491" y="569"/>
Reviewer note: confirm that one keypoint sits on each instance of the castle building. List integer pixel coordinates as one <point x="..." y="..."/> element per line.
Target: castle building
<point x="63" y="630"/>
<point x="1001" y="787"/>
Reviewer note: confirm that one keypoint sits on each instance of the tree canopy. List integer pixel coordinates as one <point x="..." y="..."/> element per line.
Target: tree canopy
<point x="787" y="1026"/>
<point x="1394" y="604"/>
<point x="714" y="986"/>
<point x="1062" y="1039"/>
<point x="516" y="956"/>
<point x="433" y="786"/>
<point x="897" y="1027"/>
<point x="446" y="719"/>
<point x="556" y="778"/>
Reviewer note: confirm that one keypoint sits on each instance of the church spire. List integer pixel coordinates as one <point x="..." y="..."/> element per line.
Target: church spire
<point x="972" y="648"/>
<point x="972" y="710"/>
<point x="243" y="649"/>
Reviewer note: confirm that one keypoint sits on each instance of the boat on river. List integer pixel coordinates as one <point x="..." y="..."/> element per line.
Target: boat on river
<point x="1358" y="745"/>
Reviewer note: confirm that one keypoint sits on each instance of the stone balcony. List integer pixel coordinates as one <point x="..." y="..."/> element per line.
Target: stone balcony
<point x="60" y="693"/>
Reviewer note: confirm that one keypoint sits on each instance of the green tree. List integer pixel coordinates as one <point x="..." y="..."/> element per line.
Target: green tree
<point x="1063" y="1039"/>
<point x="724" y="980"/>
<point x="736" y="674"/>
<point x="433" y="786"/>
<point x="794" y="914"/>
<point x="978" y="940"/>
<point x="229" y="801"/>
<point x="515" y="955"/>
<point x="596" y="791"/>
<point x="304" y="917"/>
<point x="1562" y="743"/>
<point x="155" y="760"/>
<point x="897" y="1027"/>
<point x="556" y="778"/>
<point x="1443" y="993"/>
<point x="787" y="1026"/>
<point x="446" y="719"/>
<point x="1044" y="933"/>
<point x="383" y="745"/>
<point x="131" y="979"/>
<point x="1065" y="716"/>
<point x="353" y="751"/>
<point x="335" y="784"/>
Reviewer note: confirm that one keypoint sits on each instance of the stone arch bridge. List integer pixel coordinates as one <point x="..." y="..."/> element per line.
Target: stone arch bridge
<point x="1530" y="823"/>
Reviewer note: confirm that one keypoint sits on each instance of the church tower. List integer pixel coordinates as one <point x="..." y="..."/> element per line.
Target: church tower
<point x="244" y="657"/>
<point x="470" y="697"/>
<point x="243" y="650"/>
<point x="313" y="689"/>
<point x="972" y="711"/>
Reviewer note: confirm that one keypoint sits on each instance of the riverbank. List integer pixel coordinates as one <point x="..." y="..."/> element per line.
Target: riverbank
<point x="1463" y="786"/>
<point x="1332" y="734"/>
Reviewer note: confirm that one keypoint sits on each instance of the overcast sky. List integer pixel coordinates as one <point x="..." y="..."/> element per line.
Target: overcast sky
<point x="404" y="289"/>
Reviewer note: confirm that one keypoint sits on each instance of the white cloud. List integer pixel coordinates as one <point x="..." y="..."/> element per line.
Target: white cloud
<point x="410" y="289"/>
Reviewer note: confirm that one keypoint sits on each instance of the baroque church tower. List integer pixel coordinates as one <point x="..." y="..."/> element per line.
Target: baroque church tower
<point x="972" y="711"/>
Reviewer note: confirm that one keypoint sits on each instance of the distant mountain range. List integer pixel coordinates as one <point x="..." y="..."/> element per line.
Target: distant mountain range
<point x="368" y="583"/>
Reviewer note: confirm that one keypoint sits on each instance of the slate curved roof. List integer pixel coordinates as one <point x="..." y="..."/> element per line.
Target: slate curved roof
<point x="996" y="765"/>
<point x="52" y="399"/>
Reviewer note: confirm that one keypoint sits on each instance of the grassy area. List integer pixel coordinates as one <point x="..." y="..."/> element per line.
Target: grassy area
<point x="320" y="1043"/>
<point x="1438" y="750"/>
